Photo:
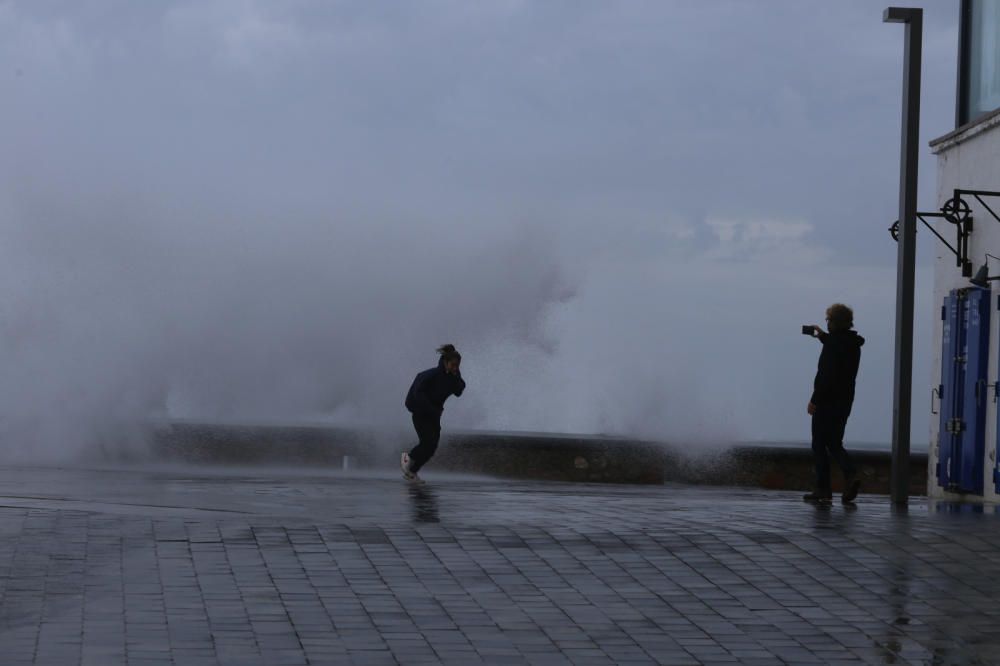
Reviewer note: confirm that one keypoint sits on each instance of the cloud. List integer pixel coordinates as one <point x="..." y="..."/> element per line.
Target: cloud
<point x="757" y="233"/>
<point x="618" y="211"/>
<point x="39" y="45"/>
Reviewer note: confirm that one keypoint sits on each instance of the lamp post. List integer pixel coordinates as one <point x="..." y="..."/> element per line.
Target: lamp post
<point x="902" y="384"/>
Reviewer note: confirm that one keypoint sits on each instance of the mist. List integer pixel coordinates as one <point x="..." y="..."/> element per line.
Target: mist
<point x="248" y="211"/>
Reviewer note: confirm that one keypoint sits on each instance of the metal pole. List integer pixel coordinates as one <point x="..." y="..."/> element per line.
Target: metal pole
<point x="902" y="387"/>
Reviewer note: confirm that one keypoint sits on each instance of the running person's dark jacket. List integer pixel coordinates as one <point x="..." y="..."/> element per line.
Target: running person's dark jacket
<point x="430" y="389"/>
<point x="838" y="369"/>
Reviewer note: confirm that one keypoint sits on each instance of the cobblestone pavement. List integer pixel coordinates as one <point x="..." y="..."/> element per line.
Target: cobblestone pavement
<point x="207" y="565"/>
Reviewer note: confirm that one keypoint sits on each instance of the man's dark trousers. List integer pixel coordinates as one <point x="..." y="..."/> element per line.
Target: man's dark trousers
<point x="429" y="433"/>
<point x="828" y="425"/>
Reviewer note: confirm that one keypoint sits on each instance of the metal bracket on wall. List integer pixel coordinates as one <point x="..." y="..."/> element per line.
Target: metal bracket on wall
<point x="956" y="211"/>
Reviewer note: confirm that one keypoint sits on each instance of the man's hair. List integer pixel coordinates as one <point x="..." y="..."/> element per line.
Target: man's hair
<point x="841" y="317"/>
<point x="448" y="353"/>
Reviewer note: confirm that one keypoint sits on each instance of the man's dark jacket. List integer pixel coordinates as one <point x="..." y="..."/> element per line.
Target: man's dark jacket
<point x="838" y="368"/>
<point x="430" y="389"/>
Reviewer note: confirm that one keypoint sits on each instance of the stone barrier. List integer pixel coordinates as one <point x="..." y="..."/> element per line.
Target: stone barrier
<point x="543" y="456"/>
<point x="787" y="468"/>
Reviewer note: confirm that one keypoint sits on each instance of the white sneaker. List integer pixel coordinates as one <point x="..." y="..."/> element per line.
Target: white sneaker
<point x="404" y="464"/>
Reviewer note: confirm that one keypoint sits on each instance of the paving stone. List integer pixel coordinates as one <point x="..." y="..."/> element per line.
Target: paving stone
<point x="203" y="566"/>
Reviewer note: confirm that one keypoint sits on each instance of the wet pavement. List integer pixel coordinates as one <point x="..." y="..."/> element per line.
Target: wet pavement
<point x="210" y="565"/>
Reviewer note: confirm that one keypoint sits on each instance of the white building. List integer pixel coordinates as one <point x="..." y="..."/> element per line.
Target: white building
<point x="964" y="426"/>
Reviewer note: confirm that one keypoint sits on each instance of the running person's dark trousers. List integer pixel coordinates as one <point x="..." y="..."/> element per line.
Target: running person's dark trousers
<point x="429" y="432"/>
<point x="828" y="425"/>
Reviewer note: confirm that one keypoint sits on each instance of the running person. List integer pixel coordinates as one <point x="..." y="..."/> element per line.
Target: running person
<point x="425" y="400"/>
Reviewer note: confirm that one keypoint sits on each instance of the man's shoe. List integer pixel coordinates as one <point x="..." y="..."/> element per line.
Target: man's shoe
<point x="818" y="498"/>
<point x="851" y="487"/>
<point x="404" y="464"/>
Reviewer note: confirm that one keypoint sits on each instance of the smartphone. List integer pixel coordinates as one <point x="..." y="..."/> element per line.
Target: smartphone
<point x="808" y="330"/>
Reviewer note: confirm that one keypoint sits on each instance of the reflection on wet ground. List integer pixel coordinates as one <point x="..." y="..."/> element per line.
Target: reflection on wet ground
<point x="253" y="566"/>
<point x="424" y="500"/>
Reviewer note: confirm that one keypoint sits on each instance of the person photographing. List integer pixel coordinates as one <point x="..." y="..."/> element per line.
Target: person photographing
<point x="425" y="401"/>
<point x="832" y="399"/>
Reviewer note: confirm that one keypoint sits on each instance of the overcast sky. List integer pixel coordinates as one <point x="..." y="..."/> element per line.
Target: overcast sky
<point x="621" y="212"/>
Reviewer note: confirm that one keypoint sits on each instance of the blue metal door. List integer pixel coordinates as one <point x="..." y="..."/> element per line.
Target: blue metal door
<point x="975" y="356"/>
<point x="996" y="468"/>
<point x="947" y="437"/>
<point x="964" y="355"/>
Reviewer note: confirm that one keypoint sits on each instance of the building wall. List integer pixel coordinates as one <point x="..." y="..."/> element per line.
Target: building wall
<point x="968" y="160"/>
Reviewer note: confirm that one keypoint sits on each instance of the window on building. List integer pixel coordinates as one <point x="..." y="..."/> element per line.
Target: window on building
<point x="979" y="59"/>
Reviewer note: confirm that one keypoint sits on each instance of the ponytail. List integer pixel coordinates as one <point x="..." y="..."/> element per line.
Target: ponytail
<point x="448" y="353"/>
